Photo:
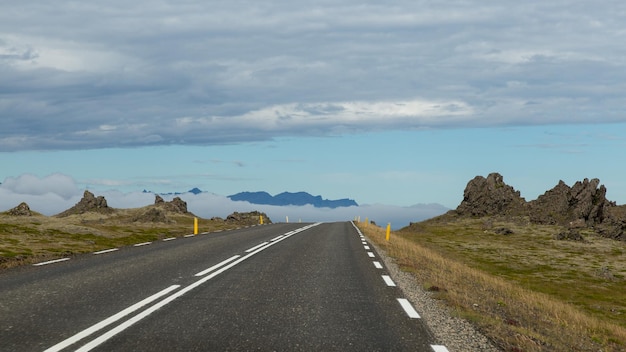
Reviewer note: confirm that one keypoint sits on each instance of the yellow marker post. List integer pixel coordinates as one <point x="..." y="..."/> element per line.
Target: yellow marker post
<point x="366" y="221"/>
<point x="195" y="226"/>
<point x="261" y="219"/>
<point x="388" y="231"/>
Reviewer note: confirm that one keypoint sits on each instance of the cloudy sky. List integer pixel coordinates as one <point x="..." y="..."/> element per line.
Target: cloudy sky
<point x="397" y="102"/>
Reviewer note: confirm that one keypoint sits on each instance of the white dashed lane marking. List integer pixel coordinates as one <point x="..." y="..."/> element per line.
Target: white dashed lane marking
<point x="106" y="251"/>
<point x="142" y="244"/>
<point x="388" y="281"/>
<point x="52" y="261"/>
<point x="408" y="308"/>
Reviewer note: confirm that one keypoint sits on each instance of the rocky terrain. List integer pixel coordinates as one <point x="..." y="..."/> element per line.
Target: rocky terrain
<point x="91" y="224"/>
<point x="581" y="206"/>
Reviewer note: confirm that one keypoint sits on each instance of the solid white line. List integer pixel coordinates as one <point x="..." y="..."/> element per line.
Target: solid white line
<point x="142" y="244"/>
<point x="276" y="238"/>
<point x="108" y="321"/>
<point x="439" y="348"/>
<point x="408" y="308"/>
<point x="51" y="261"/>
<point x="98" y="341"/>
<point x="169" y="239"/>
<point x="367" y="247"/>
<point x="187" y="236"/>
<point x="388" y="280"/>
<point x="370" y="254"/>
<point x="204" y="272"/>
<point x="378" y="265"/>
<point x="107" y="251"/>
<point x="256" y="247"/>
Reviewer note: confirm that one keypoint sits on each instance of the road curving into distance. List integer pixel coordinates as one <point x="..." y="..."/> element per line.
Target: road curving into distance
<point x="279" y="287"/>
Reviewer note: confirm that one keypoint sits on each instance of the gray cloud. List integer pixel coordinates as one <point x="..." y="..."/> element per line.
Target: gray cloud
<point x="144" y="73"/>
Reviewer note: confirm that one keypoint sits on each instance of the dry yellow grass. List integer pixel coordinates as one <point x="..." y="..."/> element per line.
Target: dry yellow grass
<point x="515" y="316"/>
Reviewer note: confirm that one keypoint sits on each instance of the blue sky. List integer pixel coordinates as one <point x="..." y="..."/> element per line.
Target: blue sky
<point x="395" y="103"/>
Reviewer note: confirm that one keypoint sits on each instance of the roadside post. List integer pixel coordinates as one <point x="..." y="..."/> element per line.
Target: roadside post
<point x="195" y="226"/>
<point x="388" y="231"/>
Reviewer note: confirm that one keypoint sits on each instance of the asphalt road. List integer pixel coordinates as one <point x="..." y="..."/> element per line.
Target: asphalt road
<point x="280" y="287"/>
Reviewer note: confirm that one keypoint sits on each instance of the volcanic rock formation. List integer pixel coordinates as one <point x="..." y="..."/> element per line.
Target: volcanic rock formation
<point x="249" y="218"/>
<point x="21" y="210"/>
<point x="583" y="205"/>
<point x="89" y="203"/>
<point x="490" y="196"/>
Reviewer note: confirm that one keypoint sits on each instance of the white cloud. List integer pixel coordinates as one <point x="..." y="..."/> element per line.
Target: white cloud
<point x="31" y="185"/>
<point x="55" y="193"/>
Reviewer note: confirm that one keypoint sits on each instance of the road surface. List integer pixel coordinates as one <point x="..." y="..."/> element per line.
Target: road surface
<point x="279" y="287"/>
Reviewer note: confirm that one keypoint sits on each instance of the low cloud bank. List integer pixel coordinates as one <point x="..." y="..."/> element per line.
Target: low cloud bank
<point x="53" y="194"/>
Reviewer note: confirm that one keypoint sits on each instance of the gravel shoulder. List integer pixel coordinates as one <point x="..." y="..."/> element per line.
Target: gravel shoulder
<point x="457" y="334"/>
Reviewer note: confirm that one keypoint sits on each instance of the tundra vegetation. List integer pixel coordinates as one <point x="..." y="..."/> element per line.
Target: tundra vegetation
<point x="28" y="237"/>
<point x="526" y="291"/>
<point x="545" y="275"/>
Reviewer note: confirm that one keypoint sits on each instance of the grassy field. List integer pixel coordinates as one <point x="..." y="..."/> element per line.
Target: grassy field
<point x="30" y="239"/>
<point x="523" y="288"/>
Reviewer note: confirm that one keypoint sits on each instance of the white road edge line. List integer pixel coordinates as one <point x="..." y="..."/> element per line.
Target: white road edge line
<point x="439" y="348"/>
<point x="106" y="251"/>
<point x="371" y="255"/>
<point x="256" y="247"/>
<point x="276" y="238"/>
<point x="104" y="337"/>
<point x="110" y="320"/>
<point x="142" y="244"/>
<point x="388" y="280"/>
<point x="204" y="272"/>
<point x="367" y="247"/>
<point x="408" y="308"/>
<point x="52" y="262"/>
<point x="169" y="239"/>
<point x="378" y="265"/>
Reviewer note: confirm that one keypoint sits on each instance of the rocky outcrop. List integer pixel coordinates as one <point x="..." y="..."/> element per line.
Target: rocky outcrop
<point x="177" y="205"/>
<point x="21" y="210"/>
<point x="490" y="196"/>
<point x="158" y="200"/>
<point x="249" y="218"/>
<point x="89" y="203"/>
<point x="585" y="203"/>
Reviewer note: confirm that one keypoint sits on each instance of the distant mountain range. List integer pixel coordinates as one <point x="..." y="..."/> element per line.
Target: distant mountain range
<point x="288" y="198"/>
<point x="285" y="198"/>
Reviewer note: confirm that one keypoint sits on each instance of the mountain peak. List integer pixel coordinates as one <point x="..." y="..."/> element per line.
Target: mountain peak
<point x="289" y="198"/>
